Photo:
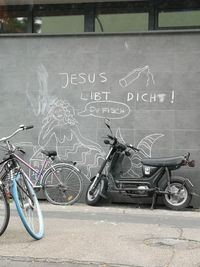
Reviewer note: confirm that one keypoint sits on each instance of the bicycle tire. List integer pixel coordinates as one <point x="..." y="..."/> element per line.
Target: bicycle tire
<point x="62" y="184"/>
<point x="27" y="206"/>
<point x="4" y="211"/>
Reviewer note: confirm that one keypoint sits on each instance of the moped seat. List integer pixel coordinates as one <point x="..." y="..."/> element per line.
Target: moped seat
<point x="163" y="162"/>
<point x="49" y="153"/>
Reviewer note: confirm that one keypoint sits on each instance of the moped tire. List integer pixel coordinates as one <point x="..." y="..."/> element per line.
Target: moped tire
<point x="180" y="198"/>
<point x="96" y="198"/>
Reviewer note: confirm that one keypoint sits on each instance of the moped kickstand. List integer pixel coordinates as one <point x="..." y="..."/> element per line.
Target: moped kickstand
<point x="154" y="200"/>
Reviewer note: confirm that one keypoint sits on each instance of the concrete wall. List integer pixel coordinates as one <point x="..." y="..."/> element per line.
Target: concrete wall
<point x="147" y="84"/>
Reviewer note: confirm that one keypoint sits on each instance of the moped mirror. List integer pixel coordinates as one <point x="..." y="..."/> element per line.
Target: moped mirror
<point x="106" y="142"/>
<point x="107" y="122"/>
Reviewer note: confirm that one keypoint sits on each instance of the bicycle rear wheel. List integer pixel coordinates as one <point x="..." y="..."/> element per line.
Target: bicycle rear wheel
<point x="28" y="206"/>
<point x="63" y="184"/>
<point x="4" y="211"/>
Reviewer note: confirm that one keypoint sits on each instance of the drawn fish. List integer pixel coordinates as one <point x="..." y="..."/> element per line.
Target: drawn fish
<point x="145" y="146"/>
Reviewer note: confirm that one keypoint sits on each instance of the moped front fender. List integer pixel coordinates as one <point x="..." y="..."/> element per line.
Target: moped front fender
<point x="104" y="186"/>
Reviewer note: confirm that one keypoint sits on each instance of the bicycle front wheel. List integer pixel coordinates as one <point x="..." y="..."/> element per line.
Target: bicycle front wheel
<point x="4" y="211"/>
<point x="28" y="206"/>
<point x="63" y="184"/>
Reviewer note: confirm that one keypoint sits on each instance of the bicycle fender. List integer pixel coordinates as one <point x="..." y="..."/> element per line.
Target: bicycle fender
<point x="58" y="164"/>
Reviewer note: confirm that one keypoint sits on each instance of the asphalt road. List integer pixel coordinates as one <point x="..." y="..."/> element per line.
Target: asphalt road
<point x="107" y="236"/>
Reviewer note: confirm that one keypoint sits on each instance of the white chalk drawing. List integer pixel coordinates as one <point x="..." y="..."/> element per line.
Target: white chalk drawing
<point x="60" y="127"/>
<point x="82" y="78"/>
<point x="41" y="101"/>
<point x="135" y="74"/>
<point x="145" y="97"/>
<point x="145" y="146"/>
<point x="173" y="96"/>
<point x="61" y="130"/>
<point x="126" y="45"/>
<point x="108" y="109"/>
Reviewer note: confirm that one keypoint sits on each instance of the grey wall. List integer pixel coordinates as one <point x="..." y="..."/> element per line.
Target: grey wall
<point x="147" y="84"/>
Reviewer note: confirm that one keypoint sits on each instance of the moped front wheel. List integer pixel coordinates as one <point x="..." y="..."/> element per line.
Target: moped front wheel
<point x="177" y="195"/>
<point x="96" y="197"/>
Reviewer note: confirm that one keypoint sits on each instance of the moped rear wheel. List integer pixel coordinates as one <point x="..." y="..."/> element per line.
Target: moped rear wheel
<point x="96" y="197"/>
<point x="179" y="196"/>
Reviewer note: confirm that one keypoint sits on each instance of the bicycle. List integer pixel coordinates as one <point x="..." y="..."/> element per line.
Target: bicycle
<point x="61" y="182"/>
<point x="14" y="184"/>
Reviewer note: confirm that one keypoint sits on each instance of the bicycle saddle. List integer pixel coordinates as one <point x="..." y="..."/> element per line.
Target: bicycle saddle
<point x="49" y="153"/>
<point x="163" y="162"/>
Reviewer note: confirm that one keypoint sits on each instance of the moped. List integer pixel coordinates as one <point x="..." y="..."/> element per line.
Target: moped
<point x="156" y="180"/>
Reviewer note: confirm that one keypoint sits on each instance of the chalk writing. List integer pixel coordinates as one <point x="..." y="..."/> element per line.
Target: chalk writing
<point x="82" y="78"/>
<point x="109" y="109"/>
<point x="96" y="96"/>
<point x="150" y="97"/>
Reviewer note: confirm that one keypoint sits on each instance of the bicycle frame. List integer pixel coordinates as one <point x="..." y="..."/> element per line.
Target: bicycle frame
<point x="49" y="174"/>
<point x="39" y="173"/>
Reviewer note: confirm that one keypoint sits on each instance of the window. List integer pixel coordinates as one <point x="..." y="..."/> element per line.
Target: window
<point x="14" y="19"/>
<point x="179" y="19"/>
<point x="60" y="24"/>
<point x="13" y="25"/>
<point x="99" y="16"/>
<point x="121" y="22"/>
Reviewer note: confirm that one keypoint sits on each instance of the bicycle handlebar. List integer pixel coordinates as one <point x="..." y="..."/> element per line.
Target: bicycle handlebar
<point x="20" y="149"/>
<point x="26" y="127"/>
<point x="21" y="128"/>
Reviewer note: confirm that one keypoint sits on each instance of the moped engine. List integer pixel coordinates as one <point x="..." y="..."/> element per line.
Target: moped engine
<point x="142" y="188"/>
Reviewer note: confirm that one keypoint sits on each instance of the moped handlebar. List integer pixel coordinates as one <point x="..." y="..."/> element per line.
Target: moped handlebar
<point x="115" y="140"/>
<point x="111" y="137"/>
<point x="133" y="148"/>
<point x="119" y="145"/>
